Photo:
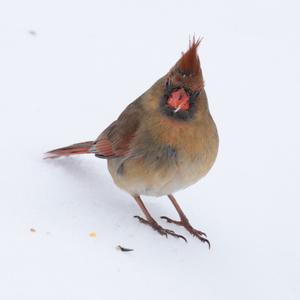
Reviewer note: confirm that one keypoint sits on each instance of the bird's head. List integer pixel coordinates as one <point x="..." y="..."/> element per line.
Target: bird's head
<point x="183" y="84"/>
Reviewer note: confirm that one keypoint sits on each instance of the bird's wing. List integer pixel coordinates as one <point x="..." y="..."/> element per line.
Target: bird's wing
<point x="115" y="140"/>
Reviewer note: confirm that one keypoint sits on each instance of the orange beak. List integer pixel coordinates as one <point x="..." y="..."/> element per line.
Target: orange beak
<point x="179" y="100"/>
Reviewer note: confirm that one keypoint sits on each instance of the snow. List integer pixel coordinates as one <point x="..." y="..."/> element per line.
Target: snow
<point x="67" y="69"/>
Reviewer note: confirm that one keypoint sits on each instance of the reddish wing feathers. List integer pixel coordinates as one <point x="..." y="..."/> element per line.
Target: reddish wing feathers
<point x="104" y="148"/>
<point x="115" y="140"/>
<point x="112" y="149"/>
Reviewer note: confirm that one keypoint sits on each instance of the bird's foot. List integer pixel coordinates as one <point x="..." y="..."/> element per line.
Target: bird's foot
<point x="186" y="224"/>
<point x="160" y="229"/>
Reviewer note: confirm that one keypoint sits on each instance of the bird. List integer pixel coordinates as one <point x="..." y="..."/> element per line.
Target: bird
<point x="164" y="141"/>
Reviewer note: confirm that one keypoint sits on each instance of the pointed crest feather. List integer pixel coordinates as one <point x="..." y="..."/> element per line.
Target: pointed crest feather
<point x="189" y="62"/>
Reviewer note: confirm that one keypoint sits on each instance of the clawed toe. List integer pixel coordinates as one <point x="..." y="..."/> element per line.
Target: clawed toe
<point x="185" y="223"/>
<point x="160" y="229"/>
<point x="169" y="220"/>
<point x="142" y="220"/>
<point x="199" y="234"/>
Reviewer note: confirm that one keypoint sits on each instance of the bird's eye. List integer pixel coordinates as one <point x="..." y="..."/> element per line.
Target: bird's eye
<point x="169" y="87"/>
<point x="168" y="82"/>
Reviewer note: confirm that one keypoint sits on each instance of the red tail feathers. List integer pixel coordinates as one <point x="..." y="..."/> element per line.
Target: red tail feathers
<point x="80" y="148"/>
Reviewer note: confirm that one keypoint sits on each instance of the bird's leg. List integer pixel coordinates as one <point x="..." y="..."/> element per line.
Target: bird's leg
<point x="185" y="222"/>
<point x="151" y="222"/>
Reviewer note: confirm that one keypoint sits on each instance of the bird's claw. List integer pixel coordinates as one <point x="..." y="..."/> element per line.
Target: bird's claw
<point x="142" y="220"/>
<point x="194" y="232"/>
<point x="197" y="234"/>
<point x="169" y="220"/>
<point x="160" y="229"/>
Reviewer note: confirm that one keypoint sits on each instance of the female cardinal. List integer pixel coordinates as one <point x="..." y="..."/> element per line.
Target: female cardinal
<point x="162" y="142"/>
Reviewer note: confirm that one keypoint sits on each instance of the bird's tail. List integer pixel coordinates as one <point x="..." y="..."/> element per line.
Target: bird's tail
<point x="80" y="148"/>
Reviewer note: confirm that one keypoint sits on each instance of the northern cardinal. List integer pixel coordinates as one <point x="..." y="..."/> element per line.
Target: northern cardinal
<point x="164" y="141"/>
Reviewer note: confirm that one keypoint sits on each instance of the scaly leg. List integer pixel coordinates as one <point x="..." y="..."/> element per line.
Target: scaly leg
<point x="151" y="222"/>
<point x="185" y="222"/>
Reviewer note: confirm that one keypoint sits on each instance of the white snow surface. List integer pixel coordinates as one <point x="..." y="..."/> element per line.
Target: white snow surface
<point x="67" y="69"/>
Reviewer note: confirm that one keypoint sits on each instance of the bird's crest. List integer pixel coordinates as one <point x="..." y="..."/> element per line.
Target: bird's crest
<point x="189" y="63"/>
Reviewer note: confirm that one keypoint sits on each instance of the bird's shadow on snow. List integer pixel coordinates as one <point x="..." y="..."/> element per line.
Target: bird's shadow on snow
<point x="86" y="173"/>
<point x="102" y="194"/>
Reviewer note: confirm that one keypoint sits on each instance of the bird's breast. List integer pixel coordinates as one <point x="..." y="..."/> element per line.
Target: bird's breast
<point x="164" y="161"/>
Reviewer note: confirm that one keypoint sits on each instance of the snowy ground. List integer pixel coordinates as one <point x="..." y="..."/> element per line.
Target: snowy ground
<point x="61" y="63"/>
